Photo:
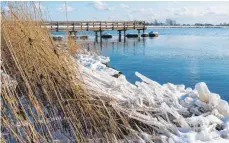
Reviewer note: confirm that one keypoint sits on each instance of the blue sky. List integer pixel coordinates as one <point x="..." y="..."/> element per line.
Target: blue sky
<point x="182" y="12"/>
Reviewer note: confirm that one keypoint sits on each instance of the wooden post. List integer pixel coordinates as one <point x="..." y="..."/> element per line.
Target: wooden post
<point x="100" y="35"/>
<point x="144" y="26"/>
<point x="96" y="33"/>
<point x="124" y="32"/>
<point x="119" y="35"/>
<point x="96" y="36"/>
<point x="87" y="26"/>
<point x="139" y="33"/>
<point x="57" y="27"/>
<point x="73" y="26"/>
<point x="125" y="35"/>
<point x="112" y="25"/>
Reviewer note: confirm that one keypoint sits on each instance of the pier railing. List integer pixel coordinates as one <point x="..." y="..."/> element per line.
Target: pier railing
<point x="72" y="26"/>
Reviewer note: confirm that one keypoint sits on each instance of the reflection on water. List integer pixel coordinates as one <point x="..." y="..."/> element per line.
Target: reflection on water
<point x="100" y="46"/>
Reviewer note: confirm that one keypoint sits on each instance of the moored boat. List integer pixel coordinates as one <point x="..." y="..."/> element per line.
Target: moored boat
<point x="131" y="35"/>
<point x="107" y="35"/>
<point x="153" y="34"/>
<point x="145" y="35"/>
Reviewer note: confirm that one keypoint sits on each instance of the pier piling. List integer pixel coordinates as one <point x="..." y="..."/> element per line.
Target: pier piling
<point x="119" y="35"/>
<point x="96" y="36"/>
<point x="100" y="31"/>
<point x="124" y="35"/>
<point x="139" y="33"/>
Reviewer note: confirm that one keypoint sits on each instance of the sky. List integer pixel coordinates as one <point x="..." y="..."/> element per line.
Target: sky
<point x="183" y="12"/>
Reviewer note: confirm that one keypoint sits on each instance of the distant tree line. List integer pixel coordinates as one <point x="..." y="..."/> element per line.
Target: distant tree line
<point x="171" y="22"/>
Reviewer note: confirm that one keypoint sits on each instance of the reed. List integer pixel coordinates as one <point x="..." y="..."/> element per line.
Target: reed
<point x="43" y="96"/>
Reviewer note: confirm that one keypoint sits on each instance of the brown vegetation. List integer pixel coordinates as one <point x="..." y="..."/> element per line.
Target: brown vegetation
<point x="48" y="97"/>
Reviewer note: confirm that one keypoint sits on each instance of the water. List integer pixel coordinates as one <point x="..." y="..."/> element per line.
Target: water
<point x="179" y="55"/>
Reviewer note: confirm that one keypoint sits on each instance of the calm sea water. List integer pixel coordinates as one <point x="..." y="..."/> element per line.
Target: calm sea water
<point x="179" y="55"/>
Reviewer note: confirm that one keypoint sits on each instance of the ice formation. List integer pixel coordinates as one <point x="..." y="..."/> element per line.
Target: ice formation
<point x="179" y="114"/>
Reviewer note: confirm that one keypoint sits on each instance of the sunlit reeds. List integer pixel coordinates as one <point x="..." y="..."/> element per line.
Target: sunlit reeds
<point x="48" y="99"/>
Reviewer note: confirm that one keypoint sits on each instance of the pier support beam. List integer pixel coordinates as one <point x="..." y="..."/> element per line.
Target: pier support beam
<point x="119" y="35"/>
<point x="96" y="36"/>
<point x="100" y="34"/>
<point x="139" y="34"/>
<point x="125" y="35"/>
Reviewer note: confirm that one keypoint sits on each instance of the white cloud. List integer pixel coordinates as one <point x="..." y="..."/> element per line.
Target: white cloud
<point x="125" y="6"/>
<point x="64" y="8"/>
<point x="99" y="5"/>
<point x="111" y="8"/>
<point x="197" y="12"/>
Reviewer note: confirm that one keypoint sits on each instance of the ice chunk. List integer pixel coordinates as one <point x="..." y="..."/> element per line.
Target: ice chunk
<point x="197" y="123"/>
<point x="147" y="80"/>
<point x="214" y="99"/>
<point x="181" y="88"/>
<point x="188" y="90"/>
<point x="202" y="91"/>
<point x="223" y="108"/>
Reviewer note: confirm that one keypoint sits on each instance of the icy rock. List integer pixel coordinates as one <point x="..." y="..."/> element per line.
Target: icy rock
<point x="214" y="99"/>
<point x="193" y="93"/>
<point x="213" y="119"/>
<point x="203" y="136"/>
<point x="224" y="133"/>
<point x="223" y="108"/>
<point x="188" y="90"/>
<point x="216" y="113"/>
<point x="197" y="123"/>
<point x="202" y="105"/>
<point x="170" y="86"/>
<point x="181" y="88"/>
<point x="202" y="91"/>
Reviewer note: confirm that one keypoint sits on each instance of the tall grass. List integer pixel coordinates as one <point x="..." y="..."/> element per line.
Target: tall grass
<point x="48" y="100"/>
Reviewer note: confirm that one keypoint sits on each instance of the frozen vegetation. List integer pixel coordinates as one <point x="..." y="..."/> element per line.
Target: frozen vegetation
<point x="178" y="114"/>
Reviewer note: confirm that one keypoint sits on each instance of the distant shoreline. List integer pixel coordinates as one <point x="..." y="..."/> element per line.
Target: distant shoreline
<point x="187" y="26"/>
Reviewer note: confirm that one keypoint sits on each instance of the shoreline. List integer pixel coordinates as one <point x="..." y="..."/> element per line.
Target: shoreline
<point x="181" y="114"/>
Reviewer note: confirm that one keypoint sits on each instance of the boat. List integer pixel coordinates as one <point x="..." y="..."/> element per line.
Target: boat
<point x="153" y="34"/>
<point x="145" y="35"/>
<point x="131" y="35"/>
<point x="107" y="35"/>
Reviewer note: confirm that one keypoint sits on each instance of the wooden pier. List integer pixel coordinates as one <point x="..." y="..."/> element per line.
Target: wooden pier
<point x="97" y="26"/>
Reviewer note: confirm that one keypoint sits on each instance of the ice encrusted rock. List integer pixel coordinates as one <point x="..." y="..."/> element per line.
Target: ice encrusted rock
<point x="202" y="91"/>
<point x="223" y="108"/>
<point x="214" y="99"/>
<point x="177" y="114"/>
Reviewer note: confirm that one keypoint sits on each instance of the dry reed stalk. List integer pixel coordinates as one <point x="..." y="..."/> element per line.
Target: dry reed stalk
<point x="47" y="85"/>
